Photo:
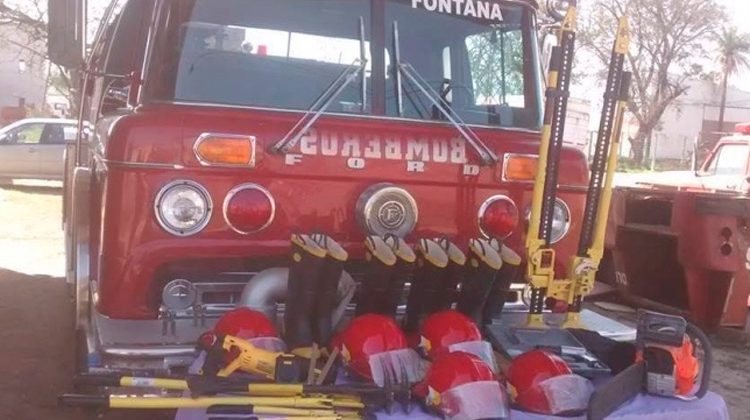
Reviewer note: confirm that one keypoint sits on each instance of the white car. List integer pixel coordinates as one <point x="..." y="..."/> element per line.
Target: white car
<point x="33" y="148"/>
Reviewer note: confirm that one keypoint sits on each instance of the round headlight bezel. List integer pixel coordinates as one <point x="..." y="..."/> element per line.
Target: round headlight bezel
<point x="482" y="213"/>
<point x="172" y="186"/>
<point x="253" y="187"/>
<point x="559" y="204"/>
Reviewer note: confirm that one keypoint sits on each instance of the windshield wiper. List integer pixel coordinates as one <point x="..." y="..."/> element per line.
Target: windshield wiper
<point x="487" y="155"/>
<point x="350" y="73"/>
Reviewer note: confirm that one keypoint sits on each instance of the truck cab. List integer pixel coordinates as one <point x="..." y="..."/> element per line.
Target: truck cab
<point x="211" y="131"/>
<point x="725" y="170"/>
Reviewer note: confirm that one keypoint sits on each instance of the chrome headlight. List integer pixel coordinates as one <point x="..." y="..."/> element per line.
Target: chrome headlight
<point x="560" y="220"/>
<point x="183" y="207"/>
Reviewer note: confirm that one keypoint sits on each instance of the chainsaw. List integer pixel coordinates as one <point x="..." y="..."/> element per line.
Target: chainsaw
<point x="673" y="359"/>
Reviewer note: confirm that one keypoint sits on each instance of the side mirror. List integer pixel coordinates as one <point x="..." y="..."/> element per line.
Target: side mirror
<point x="556" y="9"/>
<point x="66" y="32"/>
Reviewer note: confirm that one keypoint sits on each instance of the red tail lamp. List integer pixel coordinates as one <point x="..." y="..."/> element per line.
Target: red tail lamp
<point x="249" y="208"/>
<point x="742" y="128"/>
<point x="498" y="217"/>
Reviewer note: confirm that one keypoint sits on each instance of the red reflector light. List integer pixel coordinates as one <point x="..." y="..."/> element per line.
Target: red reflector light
<point x="249" y="208"/>
<point x="498" y="217"/>
<point x="742" y="128"/>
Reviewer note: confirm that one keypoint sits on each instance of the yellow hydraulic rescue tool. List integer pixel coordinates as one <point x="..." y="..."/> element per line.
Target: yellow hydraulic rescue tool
<point x="583" y="266"/>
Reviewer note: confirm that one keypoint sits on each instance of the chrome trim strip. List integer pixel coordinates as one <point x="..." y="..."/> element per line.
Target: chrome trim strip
<point x="148" y="351"/>
<point x="205" y="136"/>
<point x="201" y="190"/>
<point x="483" y="208"/>
<point x="249" y="186"/>
<point x="145" y="165"/>
<point x="340" y="114"/>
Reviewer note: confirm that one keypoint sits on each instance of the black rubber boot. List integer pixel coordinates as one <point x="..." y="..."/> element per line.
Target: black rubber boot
<point x="305" y="266"/>
<point x="510" y="272"/>
<point x="484" y="263"/>
<point x="403" y="272"/>
<point x="373" y="291"/>
<point x="427" y="284"/>
<point x="455" y="274"/>
<point x="325" y="301"/>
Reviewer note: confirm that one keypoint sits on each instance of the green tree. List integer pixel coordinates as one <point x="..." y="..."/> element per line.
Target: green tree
<point x="669" y="43"/>
<point x="496" y="60"/>
<point x="734" y="49"/>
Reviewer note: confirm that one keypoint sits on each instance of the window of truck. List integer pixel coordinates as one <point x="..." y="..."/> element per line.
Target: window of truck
<point x="730" y="159"/>
<point x="481" y="56"/>
<point x="274" y="54"/>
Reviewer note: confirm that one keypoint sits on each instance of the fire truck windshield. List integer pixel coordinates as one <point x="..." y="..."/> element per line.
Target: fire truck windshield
<point x="479" y="55"/>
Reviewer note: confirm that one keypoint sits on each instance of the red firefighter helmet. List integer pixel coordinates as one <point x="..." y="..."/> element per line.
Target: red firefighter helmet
<point x="461" y="385"/>
<point x="245" y="323"/>
<point x="443" y="329"/>
<point x="370" y="341"/>
<point x="542" y="382"/>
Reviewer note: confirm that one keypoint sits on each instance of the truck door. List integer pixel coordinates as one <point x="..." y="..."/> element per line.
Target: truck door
<point x="50" y="151"/>
<point x="19" y="150"/>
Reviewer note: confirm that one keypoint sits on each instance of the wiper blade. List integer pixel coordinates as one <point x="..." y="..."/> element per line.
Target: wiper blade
<point x="486" y="154"/>
<point x="325" y="99"/>
<point x="319" y="106"/>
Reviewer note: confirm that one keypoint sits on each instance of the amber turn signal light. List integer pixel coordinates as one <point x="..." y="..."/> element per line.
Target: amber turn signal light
<point x="225" y="149"/>
<point x="520" y="167"/>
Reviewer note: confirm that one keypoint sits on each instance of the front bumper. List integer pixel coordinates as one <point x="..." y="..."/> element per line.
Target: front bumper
<point x="142" y="345"/>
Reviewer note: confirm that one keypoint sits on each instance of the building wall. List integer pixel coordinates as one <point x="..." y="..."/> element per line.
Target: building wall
<point x="21" y="86"/>
<point x="577" y="122"/>
<point x="696" y="114"/>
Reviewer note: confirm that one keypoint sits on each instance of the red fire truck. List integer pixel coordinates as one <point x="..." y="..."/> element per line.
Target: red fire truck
<point x="212" y="130"/>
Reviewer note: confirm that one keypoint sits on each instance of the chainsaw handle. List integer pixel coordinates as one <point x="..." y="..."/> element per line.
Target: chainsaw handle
<point x="708" y="358"/>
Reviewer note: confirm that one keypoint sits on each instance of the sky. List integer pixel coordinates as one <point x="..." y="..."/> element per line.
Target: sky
<point x="739" y="10"/>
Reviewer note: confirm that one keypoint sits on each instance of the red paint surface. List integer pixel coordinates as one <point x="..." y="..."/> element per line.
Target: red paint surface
<point x="318" y="194"/>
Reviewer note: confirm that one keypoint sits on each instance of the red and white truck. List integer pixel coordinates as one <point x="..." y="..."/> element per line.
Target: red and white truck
<point x="681" y="239"/>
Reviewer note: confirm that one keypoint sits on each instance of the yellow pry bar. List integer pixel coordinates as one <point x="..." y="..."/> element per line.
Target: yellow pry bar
<point x="582" y="270"/>
<point x="537" y="275"/>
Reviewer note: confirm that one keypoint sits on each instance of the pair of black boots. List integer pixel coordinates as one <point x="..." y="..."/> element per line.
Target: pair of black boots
<point x="315" y="267"/>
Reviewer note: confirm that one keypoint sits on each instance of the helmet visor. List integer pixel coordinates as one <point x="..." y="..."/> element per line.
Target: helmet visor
<point x="475" y="400"/>
<point x="567" y="393"/>
<point x="397" y="366"/>
<point x="481" y="349"/>
<point x="273" y="344"/>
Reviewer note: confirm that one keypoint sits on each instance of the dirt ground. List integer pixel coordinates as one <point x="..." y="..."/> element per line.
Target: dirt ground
<point x="36" y="326"/>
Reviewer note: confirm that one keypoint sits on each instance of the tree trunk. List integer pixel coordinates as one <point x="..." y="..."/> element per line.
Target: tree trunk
<point x="723" y="107"/>
<point x="637" y="146"/>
